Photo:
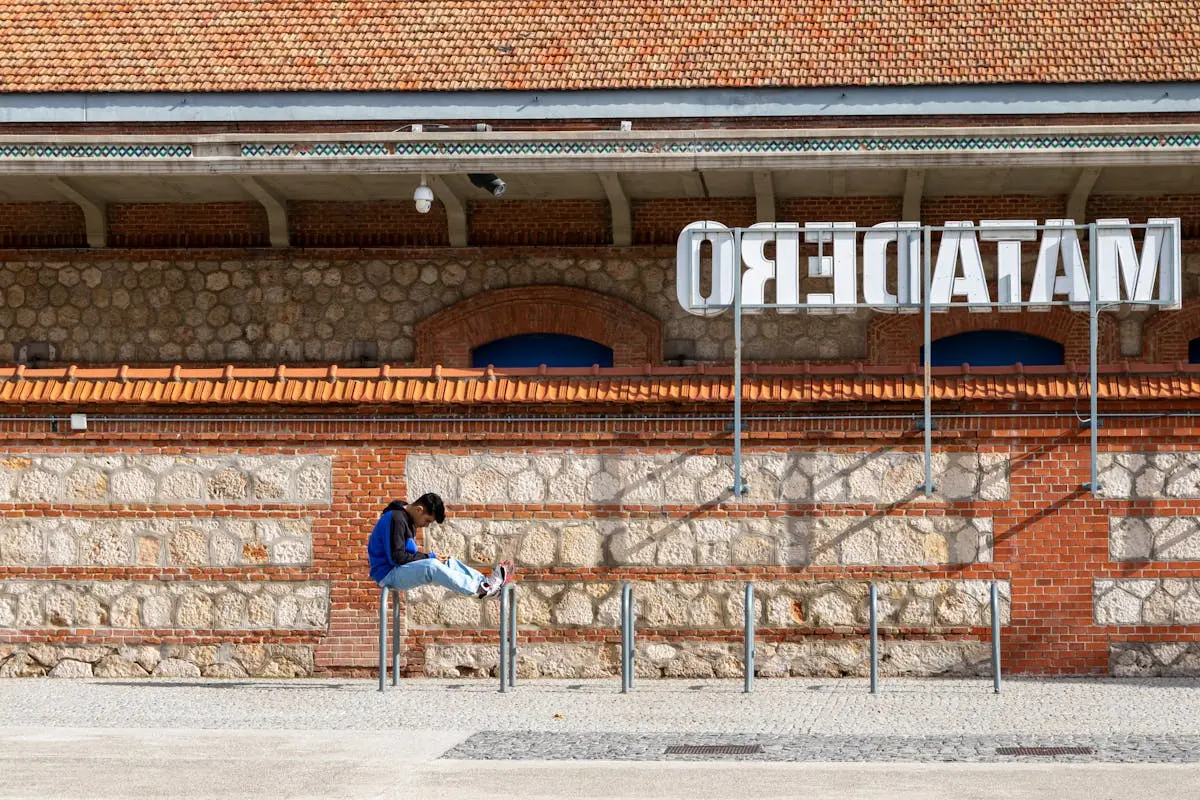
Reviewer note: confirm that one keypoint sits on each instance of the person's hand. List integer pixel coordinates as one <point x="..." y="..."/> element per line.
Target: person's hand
<point x="444" y="558"/>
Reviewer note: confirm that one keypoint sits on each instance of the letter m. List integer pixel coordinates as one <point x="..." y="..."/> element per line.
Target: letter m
<point x="1116" y="254"/>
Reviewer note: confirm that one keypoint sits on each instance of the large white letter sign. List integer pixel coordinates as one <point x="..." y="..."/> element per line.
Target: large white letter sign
<point x="1009" y="234"/>
<point x="687" y="268"/>
<point x="1115" y="252"/>
<point x="784" y="270"/>
<point x="843" y="267"/>
<point x="908" y="265"/>
<point x="1059" y="236"/>
<point x="959" y="247"/>
<point x="1061" y="277"/>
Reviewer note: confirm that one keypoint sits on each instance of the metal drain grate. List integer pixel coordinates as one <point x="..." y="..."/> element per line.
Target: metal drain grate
<point x="713" y="749"/>
<point x="1045" y="751"/>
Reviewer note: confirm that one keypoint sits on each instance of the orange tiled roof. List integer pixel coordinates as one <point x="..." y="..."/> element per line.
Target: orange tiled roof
<point x="449" y="45"/>
<point x="81" y="386"/>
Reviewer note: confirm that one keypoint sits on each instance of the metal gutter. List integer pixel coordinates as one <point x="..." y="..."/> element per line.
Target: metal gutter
<point x="617" y="104"/>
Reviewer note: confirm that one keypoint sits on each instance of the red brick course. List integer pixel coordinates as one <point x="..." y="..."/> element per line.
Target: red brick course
<point x="187" y="225"/>
<point x="538" y="222"/>
<point x="520" y="223"/>
<point x="42" y="225"/>
<point x="392" y="223"/>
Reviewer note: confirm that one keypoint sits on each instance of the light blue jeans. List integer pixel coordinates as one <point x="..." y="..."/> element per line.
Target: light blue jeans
<point x="453" y="575"/>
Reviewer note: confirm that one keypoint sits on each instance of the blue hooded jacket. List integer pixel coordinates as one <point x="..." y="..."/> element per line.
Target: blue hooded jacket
<point x="382" y="553"/>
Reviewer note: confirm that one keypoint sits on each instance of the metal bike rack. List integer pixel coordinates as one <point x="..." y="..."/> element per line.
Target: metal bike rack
<point x="995" y="638"/>
<point x="383" y="639"/>
<point x="627" y="638"/>
<point x="508" y="637"/>
<point x="874" y="615"/>
<point x="748" y="642"/>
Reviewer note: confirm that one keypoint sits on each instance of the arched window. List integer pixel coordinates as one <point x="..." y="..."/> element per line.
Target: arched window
<point x="1194" y="351"/>
<point x="535" y="349"/>
<point x="994" y="348"/>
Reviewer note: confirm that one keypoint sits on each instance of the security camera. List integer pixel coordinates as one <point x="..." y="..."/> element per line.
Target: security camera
<point x="487" y="182"/>
<point x="423" y="198"/>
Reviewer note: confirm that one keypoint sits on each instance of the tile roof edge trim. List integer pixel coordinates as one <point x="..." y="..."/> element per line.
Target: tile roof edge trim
<point x="331" y="387"/>
<point x="332" y="373"/>
<point x="303" y="106"/>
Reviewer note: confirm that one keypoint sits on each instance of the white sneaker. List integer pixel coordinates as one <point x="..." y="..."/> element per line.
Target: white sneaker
<point x="493" y="584"/>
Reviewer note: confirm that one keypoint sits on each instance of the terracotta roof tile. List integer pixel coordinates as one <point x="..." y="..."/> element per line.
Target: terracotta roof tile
<point x="218" y="387"/>
<point x="454" y="45"/>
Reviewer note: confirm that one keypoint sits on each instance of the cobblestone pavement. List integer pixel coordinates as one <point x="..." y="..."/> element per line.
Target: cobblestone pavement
<point x="1056" y="708"/>
<point x="550" y="739"/>
<point x="523" y="745"/>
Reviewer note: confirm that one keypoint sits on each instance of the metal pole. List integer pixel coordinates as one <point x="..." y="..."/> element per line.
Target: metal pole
<point x="632" y="636"/>
<point x="1093" y="342"/>
<point x="383" y="599"/>
<point x="748" y="644"/>
<point x="738" y="487"/>
<point x="995" y="638"/>
<point x="503" y="641"/>
<point x="926" y="313"/>
<point x="625" y="638"/>
<point x="512" y="634"/>
<point x="395" y="639"/>
<point x="874" y="640"/>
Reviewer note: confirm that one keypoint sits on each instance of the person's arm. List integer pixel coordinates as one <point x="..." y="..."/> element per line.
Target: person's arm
<point x="404" y="542"/>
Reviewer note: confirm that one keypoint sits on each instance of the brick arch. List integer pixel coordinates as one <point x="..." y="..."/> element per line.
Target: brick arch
<point x="449" y="336"/>
<point x="896" y="339"/>
<point x="1166" y="334"/>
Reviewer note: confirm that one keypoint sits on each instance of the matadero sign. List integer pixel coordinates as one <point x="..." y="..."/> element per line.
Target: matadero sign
<point x="880" y="267"/>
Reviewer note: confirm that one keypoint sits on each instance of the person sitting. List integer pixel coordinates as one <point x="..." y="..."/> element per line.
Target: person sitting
<point x="396" y="563"/>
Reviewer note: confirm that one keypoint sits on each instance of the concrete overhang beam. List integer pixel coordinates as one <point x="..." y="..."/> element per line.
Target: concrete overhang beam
<point x="618" y="205"/>
<point x="764" y="196"/>
<point x="456" y="212"/>
<point x="914" y="189"/>
<point x="274" y="204"/>
<point x="95" y="211"/>
<point x="1077" y="202"/>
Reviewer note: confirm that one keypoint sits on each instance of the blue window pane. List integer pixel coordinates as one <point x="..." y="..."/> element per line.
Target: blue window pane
<point x="1194" y="351"/>
<point x="535" y="349"/>
<point x="994" y="349"/>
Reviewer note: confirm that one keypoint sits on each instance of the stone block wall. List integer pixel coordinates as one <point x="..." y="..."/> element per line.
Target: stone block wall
<point x="163" y="563"/>
<point x="144" y="559"/>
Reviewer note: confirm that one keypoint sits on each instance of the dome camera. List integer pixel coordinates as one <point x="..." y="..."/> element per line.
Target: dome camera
<point x="423" y="198"/>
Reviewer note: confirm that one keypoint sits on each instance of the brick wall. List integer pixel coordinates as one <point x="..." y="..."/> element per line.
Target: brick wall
<point x="936" y="210"/>
<point x="518" y="223"/>
<point x="660" y="221"/>
<point x="448" y="337"/>
<point x="537" y="222"/>
<point x="1140" y="208"/>
<point x="187" y="225"/>
<point x="1047" y="542"/>
<point x="367" y="224"/>
<point x="42" y="225"/>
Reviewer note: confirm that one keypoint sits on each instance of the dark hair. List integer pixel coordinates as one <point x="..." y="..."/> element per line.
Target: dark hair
<point x="433" y="504"/>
